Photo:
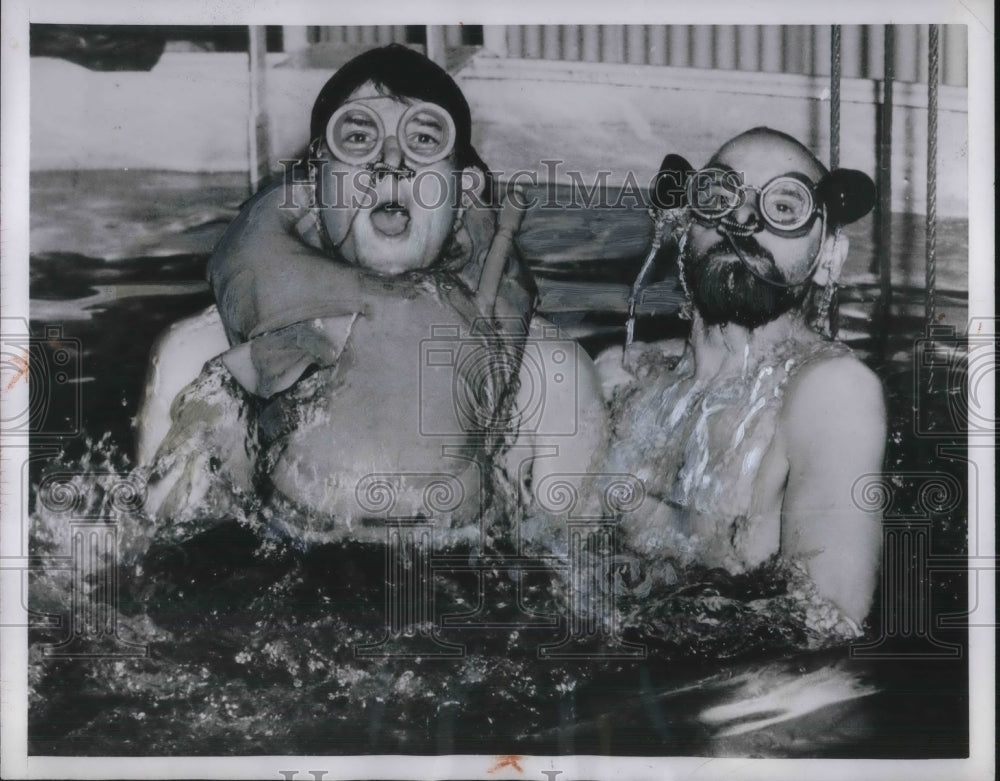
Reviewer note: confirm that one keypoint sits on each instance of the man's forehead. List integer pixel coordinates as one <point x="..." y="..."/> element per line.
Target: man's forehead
<point x="368" y="91"/>
<point x="388" y="105"/>
<point x="762" y="156"/>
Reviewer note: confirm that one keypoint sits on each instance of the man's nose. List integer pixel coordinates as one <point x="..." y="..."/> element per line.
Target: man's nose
<point x="746" y="214"/>
<point x="392" y="152"/>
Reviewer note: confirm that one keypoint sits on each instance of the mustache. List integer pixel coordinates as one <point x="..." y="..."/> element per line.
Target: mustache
<point x="748" y="245"/>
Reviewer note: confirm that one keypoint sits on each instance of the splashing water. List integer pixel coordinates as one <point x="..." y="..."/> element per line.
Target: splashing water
<point x="261" y="644"/>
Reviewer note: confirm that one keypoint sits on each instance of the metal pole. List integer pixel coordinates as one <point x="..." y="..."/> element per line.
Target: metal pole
<point x="885" y="189"/>
<point x="931" y="230"/>
<point x="259" y="135"/>
<point x="435" y="44"/>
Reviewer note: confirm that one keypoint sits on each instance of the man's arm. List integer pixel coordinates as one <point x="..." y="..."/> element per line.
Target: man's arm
<point x="174" y="362"/>
<point x="834" y="430"/>
<point x="569" y="425"/>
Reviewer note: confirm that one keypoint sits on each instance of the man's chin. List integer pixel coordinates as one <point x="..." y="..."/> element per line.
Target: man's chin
<point x="394" y="259"/>
<point x="744" y="301"/>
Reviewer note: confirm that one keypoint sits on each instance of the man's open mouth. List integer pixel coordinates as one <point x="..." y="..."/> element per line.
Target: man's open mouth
<point x="391" y="218"/>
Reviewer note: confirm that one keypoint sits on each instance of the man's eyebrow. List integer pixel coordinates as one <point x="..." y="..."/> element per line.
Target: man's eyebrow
<point x="428" y="121"/>
<point x="360" y="119"/>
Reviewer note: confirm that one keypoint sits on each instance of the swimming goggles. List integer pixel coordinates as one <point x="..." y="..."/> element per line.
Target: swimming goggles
<point x="786" y="205"/>
<point x="356" y="134"/>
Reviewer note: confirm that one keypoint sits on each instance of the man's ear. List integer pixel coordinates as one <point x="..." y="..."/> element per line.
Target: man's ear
<point x="833" y="256"/>
<point x="472" y="183"/>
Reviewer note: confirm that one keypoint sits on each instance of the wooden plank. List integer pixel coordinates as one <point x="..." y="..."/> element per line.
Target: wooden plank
<point x="574" y="236"/>
<point x="662" y="298"/>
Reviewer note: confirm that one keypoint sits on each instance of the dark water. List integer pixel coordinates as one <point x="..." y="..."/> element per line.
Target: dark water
<point x="251" y="647"/>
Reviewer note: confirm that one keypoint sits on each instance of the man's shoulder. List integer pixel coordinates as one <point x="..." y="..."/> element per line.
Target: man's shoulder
<point x="831" y="388"/>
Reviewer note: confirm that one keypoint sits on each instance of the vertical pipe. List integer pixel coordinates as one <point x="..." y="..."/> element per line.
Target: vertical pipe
<point x="636" y="52"/>
<point x="794" y="50"/>
<point x="703" y="56"/>
<point x="876" y="52"/>
<point x="612" y="43"/>
<point x="552" y="42"/>
<point x="885" y="189"/>
<point x="570" y="41"/>
<point x="905" y="64"/>
<point x="748" y="48"/>
<point x="725" y="46"/>
<point x="453" y="35"/>
<point x="495" y="39"/>
<point x="835" y="97"/>
<point x="294" y="39"/>
<point x="932" y="154"/>
<point x="257" y="121"/>
<point x="822" y="57"/>
<point x="515" y="41"/>
<point x="533" y="41"/>
<point x="679" y="54"/>
<point x="435" y="44"/>
<point x="956" y="55"/>
<point x="851" y="45"/>
<point x="591" y="43"/>
<point x="923" y="54"/>
<point x="657" y="44"/>
<point x="770" y="48"/>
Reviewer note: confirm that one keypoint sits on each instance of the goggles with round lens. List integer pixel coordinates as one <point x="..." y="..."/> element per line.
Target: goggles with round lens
<point x="356" y="134"/>
<point x="787" y="204"/>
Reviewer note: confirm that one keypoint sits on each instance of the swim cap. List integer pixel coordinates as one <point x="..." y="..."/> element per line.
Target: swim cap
<point x="402" y="72"/>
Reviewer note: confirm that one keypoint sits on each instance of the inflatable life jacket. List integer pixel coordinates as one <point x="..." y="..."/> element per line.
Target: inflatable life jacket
<point x="286" y="305"/>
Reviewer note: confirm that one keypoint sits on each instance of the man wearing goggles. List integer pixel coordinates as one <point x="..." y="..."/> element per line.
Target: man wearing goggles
<point x="786" y="205"/>
<point x="327" y="288"/>
<point x="424" y="133"/>
<point x="387" y="181"/>
<point x="750" y="434"/>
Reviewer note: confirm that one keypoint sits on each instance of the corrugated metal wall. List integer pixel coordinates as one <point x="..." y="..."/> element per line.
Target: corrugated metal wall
<point x="375" y="35"/>
<point x="799" y="49"/>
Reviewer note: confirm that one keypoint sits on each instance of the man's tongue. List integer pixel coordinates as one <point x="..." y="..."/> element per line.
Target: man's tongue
<point x="390" y="219"/>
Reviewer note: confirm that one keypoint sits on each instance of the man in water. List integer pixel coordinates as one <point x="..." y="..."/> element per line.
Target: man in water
<point x="366" y="358"/>
<point x="750" y="434"/>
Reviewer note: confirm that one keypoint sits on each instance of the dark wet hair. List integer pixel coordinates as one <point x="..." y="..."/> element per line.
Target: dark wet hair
<point x="403" y="72"/>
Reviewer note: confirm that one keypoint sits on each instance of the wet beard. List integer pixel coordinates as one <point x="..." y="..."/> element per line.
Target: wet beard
<point x="725" y="291"/>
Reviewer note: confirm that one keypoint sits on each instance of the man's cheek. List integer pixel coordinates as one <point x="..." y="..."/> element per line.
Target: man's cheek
<point x="431" y="190"/>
